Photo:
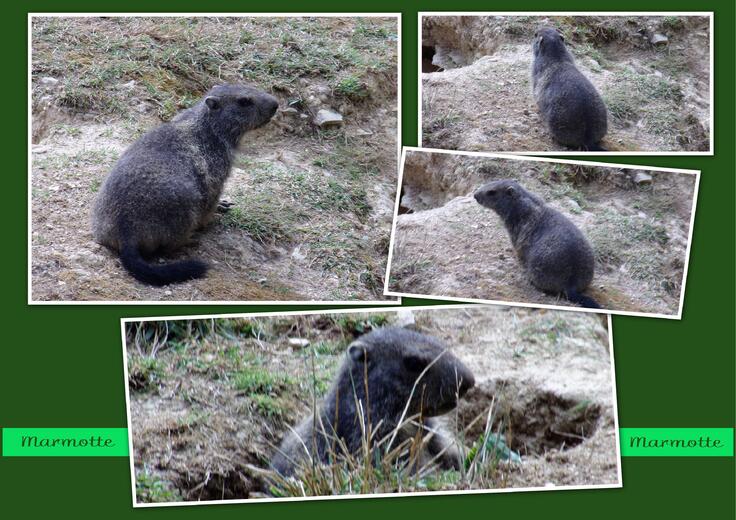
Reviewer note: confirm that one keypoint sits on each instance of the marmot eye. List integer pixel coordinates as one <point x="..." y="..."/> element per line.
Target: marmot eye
<point x="491" y="192"/>
<point x="245" y="102"/>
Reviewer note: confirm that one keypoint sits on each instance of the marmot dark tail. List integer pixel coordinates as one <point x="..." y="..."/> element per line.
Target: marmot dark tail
<point x="575" y="297"/>
<point x="162" y="274"/>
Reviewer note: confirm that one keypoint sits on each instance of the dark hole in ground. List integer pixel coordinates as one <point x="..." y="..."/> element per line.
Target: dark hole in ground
<point x="428" y="52"/>
<point x="533" y="421"/>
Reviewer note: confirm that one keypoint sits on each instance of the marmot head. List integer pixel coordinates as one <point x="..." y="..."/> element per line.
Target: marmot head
<point x="500" y="196"/>
<point x="401" y="360"/>
<point x="236" y="109"/>
<point x="548" y="41"/>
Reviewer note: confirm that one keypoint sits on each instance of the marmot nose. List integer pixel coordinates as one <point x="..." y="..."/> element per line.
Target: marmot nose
<point x="476" y="195"/>
<point x="273" y="106"/>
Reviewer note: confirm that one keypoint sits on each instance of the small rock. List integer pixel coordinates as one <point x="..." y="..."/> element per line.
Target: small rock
<point x="327" y="117"/>
<point x="130" y="85"/>
<point x="642" y="178"/>
<point x="168" y="293"/>
<point x="659" y="39"/>
<point x="290" y="111"/>
<point x="298" y="342"/>
<point x="49" y="81"/>
<point x="658" y="74"/>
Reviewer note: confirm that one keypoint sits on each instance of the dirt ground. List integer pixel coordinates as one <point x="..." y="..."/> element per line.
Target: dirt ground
<point x="313" y="205"/>
<point x="208" y="408"/>
<point x="476" y="86"/>
<point x="446" y="244"/>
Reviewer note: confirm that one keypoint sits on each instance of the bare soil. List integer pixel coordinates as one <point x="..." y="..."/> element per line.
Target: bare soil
<point x="476" y="86"/>
<point x="446" y="244"/>
<point x="313" y="206"/>
<point x="198" y="434"/>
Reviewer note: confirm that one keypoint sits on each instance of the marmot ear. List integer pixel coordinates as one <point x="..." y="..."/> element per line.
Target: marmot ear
<point x="511" y="190"/>
<point x="358" y="351"/>
<point x="212" y="102"/>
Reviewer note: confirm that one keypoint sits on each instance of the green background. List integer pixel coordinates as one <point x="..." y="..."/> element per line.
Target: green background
<point x="62" y="366"/>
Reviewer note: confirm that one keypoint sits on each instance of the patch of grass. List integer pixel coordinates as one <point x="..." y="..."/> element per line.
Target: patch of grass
<point x="352" y="88"/>
<point x="674" y="23"/>
<point x="549" y="331"/>
<point x="633" y="242"/>
<point x="175" y="60"/>
<point x="150" y="488"/>
<point x="268" y="406"/>
<point x="259" y="380"/>
<point x="257" y="214"/>
<point x="355" y="325"/>
<point x="144" y="373"/>
<point x="631" y="95"/>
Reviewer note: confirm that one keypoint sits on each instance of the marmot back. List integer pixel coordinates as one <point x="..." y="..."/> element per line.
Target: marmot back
<point x="168" y="183"/>
<point x="554" y="253"/>
<point x="387" y="363"/>
<point x="568" y="102"/>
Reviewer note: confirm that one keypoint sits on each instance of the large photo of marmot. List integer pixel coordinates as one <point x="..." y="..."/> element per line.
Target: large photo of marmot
<point x="201" y="158"/>
<point x="567" y="83"/>
<point x="531" y="231"/>
<point x="377" y="402"/>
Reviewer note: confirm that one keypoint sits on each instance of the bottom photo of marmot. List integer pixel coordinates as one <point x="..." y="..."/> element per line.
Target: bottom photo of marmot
<point x="374" y="402"/>
<point x="483" y="228"/>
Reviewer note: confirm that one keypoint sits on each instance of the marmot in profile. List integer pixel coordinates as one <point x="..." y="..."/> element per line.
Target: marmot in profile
<point x="555" y="254"/>
<point x="168" y="183"/>
<point x="569" y="103"/>
<point x="387" y="364"/>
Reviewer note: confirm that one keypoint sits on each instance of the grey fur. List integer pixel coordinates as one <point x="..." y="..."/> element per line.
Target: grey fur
<point x="167" y="184"/>
<point x="568" y="102"/>
<point x="393" y="359"/>
<point x="553" y="251"/>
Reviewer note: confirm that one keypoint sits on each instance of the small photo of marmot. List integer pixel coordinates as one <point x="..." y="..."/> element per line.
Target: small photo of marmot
<point x="200" y="158"/>
<point x="372" y="402"/>
<point x="482" y="228"/>
<point x="567" y="84"/>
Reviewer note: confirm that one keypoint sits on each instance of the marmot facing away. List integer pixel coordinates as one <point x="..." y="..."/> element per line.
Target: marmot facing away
<point x="568" y="102"/>
<point x="382" y="372"/>
<point x="555" y="254"/>
<point x="168" y="183"/>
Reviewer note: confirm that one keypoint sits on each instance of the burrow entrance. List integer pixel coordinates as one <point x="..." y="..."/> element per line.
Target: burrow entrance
<point x="533" y="421"/>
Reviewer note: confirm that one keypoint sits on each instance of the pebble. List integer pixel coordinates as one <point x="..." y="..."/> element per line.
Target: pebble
<point x="659" y="39"/>
<point x="642" y="178"/>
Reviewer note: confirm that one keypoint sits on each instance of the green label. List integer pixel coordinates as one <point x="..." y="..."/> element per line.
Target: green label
<point x="65" y="442"/>
<point x="676" y="442"/>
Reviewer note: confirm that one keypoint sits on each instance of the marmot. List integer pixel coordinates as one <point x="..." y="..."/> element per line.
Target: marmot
<point x="167" y="184"/>
<point x="555" y="254"/>
<point x="387" y="363"/>
<point x="568" y="102"/>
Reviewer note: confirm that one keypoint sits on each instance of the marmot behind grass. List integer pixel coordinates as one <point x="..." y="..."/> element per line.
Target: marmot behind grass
<point x="553" y="251"/>
<point x="393" y="359"/>
<point x="568" y="102"/>
<point x="168" y="183"/>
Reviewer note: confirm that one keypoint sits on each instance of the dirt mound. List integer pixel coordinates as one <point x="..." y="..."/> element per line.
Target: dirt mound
<point x="208" y="410"/>
<point x="313" y="205"/>
<point x="448" y="245"/>
<point x="476" y="89"/>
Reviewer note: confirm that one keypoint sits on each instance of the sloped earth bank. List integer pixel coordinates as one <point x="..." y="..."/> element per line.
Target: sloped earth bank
<point x="652" y="72"/>
<point x="446" y="244"/>
<point x="201" y="428"/>
<point x="312" y="206"/>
